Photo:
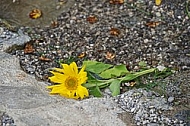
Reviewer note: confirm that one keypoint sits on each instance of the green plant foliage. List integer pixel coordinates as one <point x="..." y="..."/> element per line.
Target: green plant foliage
<point x="115" y="87"/>
<point x="93" y="81"/>
<point x="130" y="77"/>
<point x="162" y="74"/>
<point x="95" y="91"/>
<point x="96" y="67"/>
<point x="102" y="75"/>
<point x="116" y="71"/>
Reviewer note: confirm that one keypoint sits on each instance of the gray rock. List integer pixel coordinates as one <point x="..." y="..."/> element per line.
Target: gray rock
<point x="8" y="38"/>
<point x="24" y="97"/>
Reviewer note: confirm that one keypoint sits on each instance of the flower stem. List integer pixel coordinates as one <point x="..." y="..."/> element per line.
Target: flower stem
<point x="126" y="78"/>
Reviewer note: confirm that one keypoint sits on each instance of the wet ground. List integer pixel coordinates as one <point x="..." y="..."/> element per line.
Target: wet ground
<point x="17" y="13"/>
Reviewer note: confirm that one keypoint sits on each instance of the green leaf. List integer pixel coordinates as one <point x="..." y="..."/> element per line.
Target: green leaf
<point x="91" y="77"/>
<point x="100" y="84"/>
<point x="116" y="71"/>
<point x="130" y="77"/>
<point x="95" y="91"/>
<point x="144" y="72"/>
<point x="163" y="74"/>
<point x="93" y="82"/>
<point x="115" y="87"/>
<point x="96" y="67"/>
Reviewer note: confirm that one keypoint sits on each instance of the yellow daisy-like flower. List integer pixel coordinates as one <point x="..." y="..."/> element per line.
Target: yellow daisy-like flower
<point x="69" y="81"/>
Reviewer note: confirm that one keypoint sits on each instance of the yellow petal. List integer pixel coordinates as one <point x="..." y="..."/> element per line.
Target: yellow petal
<point x="56" y="89"/>
<point x="68" y="70"/>
<point x="73" y="94"/>
<point x="66" y="94"/>
<point x="82" y="80"/>
<point x="82" y="73"/>
<point x="82" y="69"/>
<point x="158" y="2"/>
<point x="74" y="67"/>
<point x="82" y="76"/>
<point x="82" y="92"/>
<point x="52" y="86"/>
<point x="58" y="77"/>
<point x="58" y="70"/>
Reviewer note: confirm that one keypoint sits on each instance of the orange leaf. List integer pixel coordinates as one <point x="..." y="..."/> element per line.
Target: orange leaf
<point x="152" y="24"/>
<point x="28" y="48"/>
<point x="36" y="13"/>
<point x="114" y="31"/>
<point x="42" y="58"/>
<point x="116" y="1"/>
<point x="92" y="19"/>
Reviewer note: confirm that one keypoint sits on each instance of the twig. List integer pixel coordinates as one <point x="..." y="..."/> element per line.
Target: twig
<point x="139" y="9"/>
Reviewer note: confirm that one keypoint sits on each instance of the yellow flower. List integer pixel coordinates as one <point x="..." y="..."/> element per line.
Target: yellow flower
<point x="69" y="81"/>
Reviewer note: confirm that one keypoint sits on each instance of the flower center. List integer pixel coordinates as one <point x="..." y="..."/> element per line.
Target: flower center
<point x="71" y="83"/>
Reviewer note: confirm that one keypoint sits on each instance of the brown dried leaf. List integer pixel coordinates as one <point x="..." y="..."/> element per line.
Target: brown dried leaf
<point x="152" y="24"/>
<point x="92" y="19"/>
<point x="28" y="48"/>
<point x="132" y="83"/>
<point x="54" y="24"/>
<point x="42" y="58"/>
<point x="116" y="1"/>
<point x="81" y="55"/>
<point x="110" y="55"/>
<point x="36" y="13"/>
<point x="114" y="31"/>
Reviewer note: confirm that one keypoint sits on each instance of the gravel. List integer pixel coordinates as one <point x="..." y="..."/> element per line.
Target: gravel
<point x="6" y="120"/>
<point x="166" y="44"/>
<point x="148" y="108"/>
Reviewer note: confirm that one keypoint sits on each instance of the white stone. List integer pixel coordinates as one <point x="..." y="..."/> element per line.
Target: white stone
<point x="170" y="99"/>
<point x="161" y="68"/>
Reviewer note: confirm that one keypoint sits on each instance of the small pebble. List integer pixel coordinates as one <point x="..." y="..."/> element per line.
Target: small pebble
<point x="170" y="99"/>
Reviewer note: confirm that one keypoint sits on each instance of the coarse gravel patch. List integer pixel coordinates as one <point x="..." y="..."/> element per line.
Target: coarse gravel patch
<point x="166" y="44"/>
